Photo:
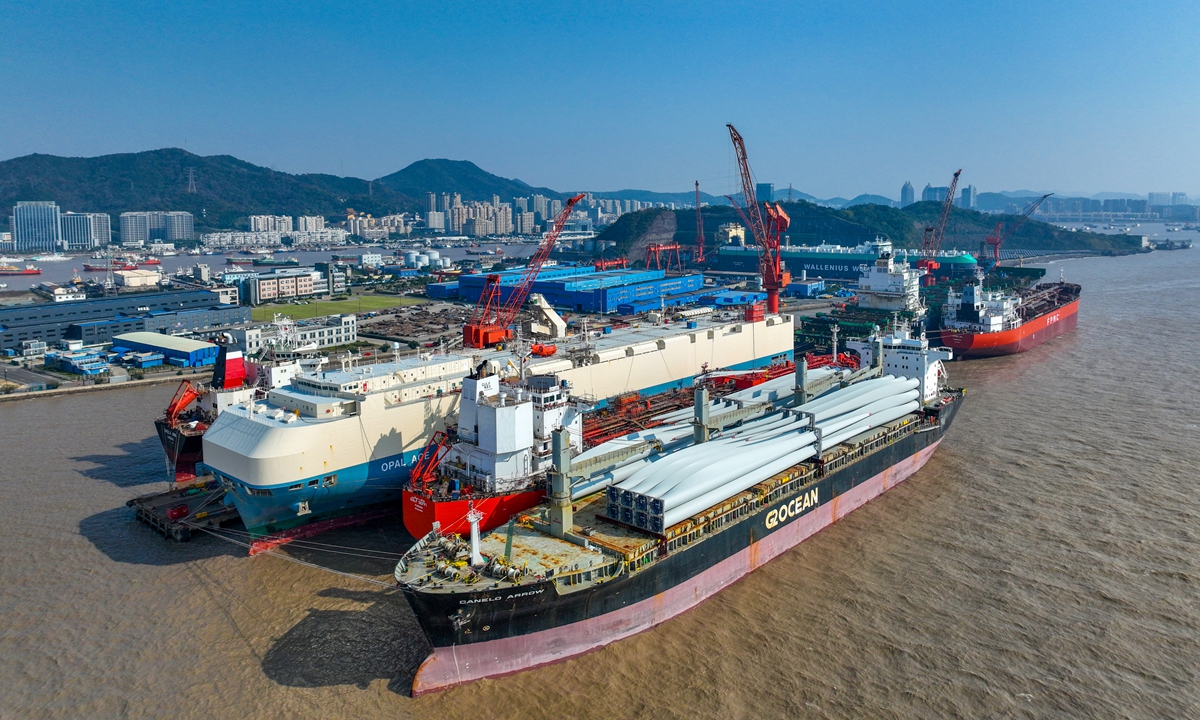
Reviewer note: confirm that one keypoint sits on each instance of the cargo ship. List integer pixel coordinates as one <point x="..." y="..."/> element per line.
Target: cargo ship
<point x="334" y="442"/>
<point x="835" y="261"/>
<point x="274" y="262"/>
<point x="194" y="407"/>
<point x="982" y="323"/>
<point x="615" y="552"/>
<point x="92" y="267"/>
<point x="14" y="270"/>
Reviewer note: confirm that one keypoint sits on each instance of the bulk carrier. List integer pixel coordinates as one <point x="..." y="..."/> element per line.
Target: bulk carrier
<point x="644" y="527"/>
<point x="335" y="442"/>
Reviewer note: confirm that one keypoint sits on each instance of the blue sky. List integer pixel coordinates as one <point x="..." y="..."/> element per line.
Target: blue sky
<point x="835" y="98"/>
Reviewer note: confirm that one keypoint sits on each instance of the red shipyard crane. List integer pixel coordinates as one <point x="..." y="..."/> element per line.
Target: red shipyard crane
<point x="766" y="233"/>
<point x="489" y="324"/>
<point x="931" y="244"/>
<point x="996" y="239"/>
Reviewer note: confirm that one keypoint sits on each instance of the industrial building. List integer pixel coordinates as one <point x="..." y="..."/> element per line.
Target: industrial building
<point x="47" y="322"/>
<point x="580" y="288"/>
<point x="182" y="352"/>
<point x="97" y="332"/>
<point x="315" y="333"/>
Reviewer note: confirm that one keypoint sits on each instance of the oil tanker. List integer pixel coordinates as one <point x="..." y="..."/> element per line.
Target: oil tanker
<point x="983" y="323"/>
<point x="614" y="552"/>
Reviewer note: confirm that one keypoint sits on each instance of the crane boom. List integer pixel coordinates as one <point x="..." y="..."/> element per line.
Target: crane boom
<point x="996" y="239"/>
<point x="491" y="319"/>
<point x="767" y="236"/>
<point x="931" y="243"/>
<point x="699" y="228"/>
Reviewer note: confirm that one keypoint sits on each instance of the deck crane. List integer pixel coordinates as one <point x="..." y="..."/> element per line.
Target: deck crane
<point x="931" y="244"/>
<point x="767" y="233"/>
<point x="996" y="239"/>
<point x="699" y="228"/>
<point x="490" y="322"/>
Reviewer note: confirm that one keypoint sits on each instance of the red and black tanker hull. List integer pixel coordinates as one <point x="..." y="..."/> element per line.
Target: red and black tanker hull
<point x="1029" y="335"/>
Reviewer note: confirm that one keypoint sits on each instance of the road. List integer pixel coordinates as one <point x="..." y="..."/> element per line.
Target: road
<point x="21" y="376"/>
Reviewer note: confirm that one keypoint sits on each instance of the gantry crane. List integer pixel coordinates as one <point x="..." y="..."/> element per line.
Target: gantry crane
<point x="931" y="244"/>
<point x="996" y="239"/>
<point x="661" y="254"/>
<point x="489" y="324"/>
<point x="766" y="234"/>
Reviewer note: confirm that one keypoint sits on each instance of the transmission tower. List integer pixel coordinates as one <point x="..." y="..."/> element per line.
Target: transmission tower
<point x="191" y="180"/>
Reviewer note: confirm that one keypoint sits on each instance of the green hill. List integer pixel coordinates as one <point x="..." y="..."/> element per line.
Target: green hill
<point x="227" y="189"/>
<point x="814" y="224"/>
<point x="459" y="176"/>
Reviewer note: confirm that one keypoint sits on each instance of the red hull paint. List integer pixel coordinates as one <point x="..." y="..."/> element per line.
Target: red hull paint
<point x="420" y="512"/>
<point x="450" y="666"/>
<point x="270" y="542"/>
<point x="1008" y="342"/>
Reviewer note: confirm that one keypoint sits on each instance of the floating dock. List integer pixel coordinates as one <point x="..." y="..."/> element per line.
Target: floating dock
<point x="178" y="511"/>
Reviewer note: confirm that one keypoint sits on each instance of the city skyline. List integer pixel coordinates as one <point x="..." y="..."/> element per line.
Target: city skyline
<point x="1080" y="98"/>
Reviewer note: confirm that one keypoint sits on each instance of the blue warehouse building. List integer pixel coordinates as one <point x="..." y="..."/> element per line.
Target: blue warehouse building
<point x="582" y="289"/>
<point x="178" y="351"/>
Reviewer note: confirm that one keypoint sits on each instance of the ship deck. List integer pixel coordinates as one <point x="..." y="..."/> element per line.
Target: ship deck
<point x="611" y="548"/>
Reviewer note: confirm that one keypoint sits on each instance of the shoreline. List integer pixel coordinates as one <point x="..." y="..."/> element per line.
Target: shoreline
<point x="61" y="391"/>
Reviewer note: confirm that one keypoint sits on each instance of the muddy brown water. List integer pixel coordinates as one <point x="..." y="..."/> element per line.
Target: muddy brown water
<point x="1044" y="564"/>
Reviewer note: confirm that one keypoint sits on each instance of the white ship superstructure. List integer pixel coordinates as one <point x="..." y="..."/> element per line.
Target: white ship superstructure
<point x="333" y="442"/>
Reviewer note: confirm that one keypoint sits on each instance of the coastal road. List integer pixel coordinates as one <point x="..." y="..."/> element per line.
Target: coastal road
<point x="21" y="376"/>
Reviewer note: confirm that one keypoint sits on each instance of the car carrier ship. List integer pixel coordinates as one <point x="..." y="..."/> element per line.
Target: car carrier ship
<point x="640" y="529"/>
<point x="337" y="441"/>
<point x="982" y="323"/>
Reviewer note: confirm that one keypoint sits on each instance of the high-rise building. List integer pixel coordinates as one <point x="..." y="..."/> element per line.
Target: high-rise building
<point x="521" y="204"/>
<point x="85" y="231"/>
<point x="445" y="206"/>
<point x="1178" y="198"/>
<point x="934" y="194"/>
<point x="36" y="226"/>
<point x="430" y="202"/>
<point x="496" y="201"/>
<point x="764" y="192"/>
<point x="524" y="223"/>
<point x="270" y="223"/>
<point x="907" y="195"/>
<point x="968" y="197"/>
<point x="555" y="209"/>
<point x="141" y="228"/>
<point x="539" y="206"/>
<point x="435" y="221"/>
<point x="1159" y="198"/>
<point x="310" y="223"/>
<point x="135" y="228"/>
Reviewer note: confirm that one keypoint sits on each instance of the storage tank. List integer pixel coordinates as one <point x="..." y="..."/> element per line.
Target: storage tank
<point x="410" y="259"/>
<point x="422" y="260"/>
<point x="432" y="255"/>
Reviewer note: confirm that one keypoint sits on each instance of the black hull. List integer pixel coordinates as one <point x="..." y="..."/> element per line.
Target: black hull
<point x="481" y="617"/>
<point x="184" y="449"/>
